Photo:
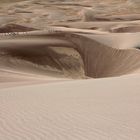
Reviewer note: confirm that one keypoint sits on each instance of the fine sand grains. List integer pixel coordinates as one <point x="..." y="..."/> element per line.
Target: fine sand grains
<point x="69" y="70"/>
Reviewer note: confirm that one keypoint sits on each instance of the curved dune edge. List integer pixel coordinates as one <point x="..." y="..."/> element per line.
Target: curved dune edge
<point x="67" y="53"/>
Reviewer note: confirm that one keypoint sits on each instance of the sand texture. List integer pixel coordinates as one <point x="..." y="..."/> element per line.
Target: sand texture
<point x="69" y="70"/>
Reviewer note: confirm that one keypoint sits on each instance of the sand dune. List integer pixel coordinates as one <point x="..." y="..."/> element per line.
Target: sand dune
<point x="69" y="70"/>
<point x="67" y="52"/>
<point x="93" y="109"/>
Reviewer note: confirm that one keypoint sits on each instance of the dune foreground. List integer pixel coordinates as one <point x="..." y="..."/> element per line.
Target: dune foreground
<point x="69" y="70"/>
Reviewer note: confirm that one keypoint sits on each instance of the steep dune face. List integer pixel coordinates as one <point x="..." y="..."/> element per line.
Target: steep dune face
<point x="67" y="55"/>
<point x="103" y="61"/>
<point x="46" y="60"/>
<point x="41" y="55"/>
<point x="71" y="53"/>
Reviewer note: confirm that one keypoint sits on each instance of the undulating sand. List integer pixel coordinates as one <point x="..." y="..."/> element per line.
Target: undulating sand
<point x="69" y="70"/>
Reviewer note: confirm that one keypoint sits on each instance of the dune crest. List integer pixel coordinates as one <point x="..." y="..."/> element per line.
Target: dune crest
<point x="68" y="53"/>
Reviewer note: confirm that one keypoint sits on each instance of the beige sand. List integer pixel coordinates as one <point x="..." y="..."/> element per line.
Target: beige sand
<point x="104" y="109"/>
<point x="69" y="70"/>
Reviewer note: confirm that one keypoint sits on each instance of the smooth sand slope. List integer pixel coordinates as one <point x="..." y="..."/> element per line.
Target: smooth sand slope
<point x="69" y="70"/>
<point x="104" y="109"/>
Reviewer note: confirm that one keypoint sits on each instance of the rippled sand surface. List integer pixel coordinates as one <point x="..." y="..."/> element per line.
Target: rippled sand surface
<point x="69" y="70"/>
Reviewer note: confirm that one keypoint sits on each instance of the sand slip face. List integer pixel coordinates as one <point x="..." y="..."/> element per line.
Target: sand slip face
<point x="69" y="70"/>
<point x="68" y="53"/>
